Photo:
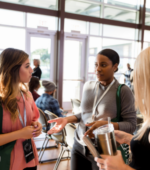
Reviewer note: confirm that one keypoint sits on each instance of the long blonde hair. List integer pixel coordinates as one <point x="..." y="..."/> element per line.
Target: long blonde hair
<point x="141" y="81"/>
<point x="10" y="63"/>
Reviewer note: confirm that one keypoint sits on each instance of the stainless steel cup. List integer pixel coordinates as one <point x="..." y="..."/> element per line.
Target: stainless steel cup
<point x="105" y="140"/>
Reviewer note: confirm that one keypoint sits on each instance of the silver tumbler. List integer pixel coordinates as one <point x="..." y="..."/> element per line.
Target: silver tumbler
<point x="105" y="140"/>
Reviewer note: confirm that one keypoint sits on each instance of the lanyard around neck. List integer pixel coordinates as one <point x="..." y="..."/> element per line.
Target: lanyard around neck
<point x="95" y="104"/>
<point x="25" y="115"/>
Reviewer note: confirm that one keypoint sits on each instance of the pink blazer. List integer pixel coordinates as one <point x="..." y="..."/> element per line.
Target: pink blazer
<point x="17" y="155"/>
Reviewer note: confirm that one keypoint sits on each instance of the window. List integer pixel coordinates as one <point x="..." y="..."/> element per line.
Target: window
<point x="34" y="20"/>
<point x="71" y="88"/>
<point x="122" y="47"/>
<point x="146" y="39"/>
<point x="9" y="17"/>
<point x="146" y="45"/>
<point x="147" y="35"/>
<point x="121" y="14"/>
<point x="119" y="32"/>
<point x="124" y="3"/>
<point x="83" y="8"/>
<point x="95" y="29"/>
<point x="73" y="69"/>
<point x="76" y="25"/>
<point x="147" y="19"/>
<point x="147" y="6"/>
<point x="72" y="59"/>
<point x="12" y="38"/>
<point x="127" y="50"/>
<point x="123" y="64"/>
<point x="147" y="14"/>
<point x="48" y="4"/>
<point x="95" y="46"/>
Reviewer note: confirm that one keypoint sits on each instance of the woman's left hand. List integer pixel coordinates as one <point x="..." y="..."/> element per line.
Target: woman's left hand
<point x="94" y="125"/>
<point x="112" y="162"/>
<point x="37" y="128"/>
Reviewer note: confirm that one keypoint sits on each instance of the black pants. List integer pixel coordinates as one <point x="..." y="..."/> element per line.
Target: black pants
<point x="81" y="158"/>
<point x="32" y="168"/>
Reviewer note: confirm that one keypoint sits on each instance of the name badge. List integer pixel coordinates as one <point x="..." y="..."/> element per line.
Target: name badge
<point x="28" y="151"/>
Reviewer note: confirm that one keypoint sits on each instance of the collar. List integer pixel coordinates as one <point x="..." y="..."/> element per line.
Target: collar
<point x="105" y="87"/>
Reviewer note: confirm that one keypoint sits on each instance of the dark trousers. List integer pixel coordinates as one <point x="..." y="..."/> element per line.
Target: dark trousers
<point x="32" y="168"/>
<point x="81" y="158"/>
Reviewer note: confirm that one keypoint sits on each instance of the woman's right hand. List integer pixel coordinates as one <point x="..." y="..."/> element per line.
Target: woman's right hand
<point x="60" y="124"/>
<point x="122" y="137"/>
<point x="109" y="162"/>
<point x="27" y="132"/>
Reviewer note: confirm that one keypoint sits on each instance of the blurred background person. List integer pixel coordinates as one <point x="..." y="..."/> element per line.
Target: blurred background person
<point x="34" y="85"/>
<point x="127" y="76"/>
<point x="47" y="101"/>
<point x="140" y="143"/>
<point x="37" y="71"/>
<point x="131" y="80"/>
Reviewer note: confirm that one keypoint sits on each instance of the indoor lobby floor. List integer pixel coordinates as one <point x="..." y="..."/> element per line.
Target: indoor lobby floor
<point x="51" y="154"/>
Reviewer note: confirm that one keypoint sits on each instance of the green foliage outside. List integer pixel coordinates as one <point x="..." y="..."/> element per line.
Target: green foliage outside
<point x="44" y="56"/>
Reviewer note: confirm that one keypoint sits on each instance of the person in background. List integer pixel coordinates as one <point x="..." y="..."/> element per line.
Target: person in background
<point x="127" y="76"/>
<point x="37" y="71"/>
<point x="19" y="123"/>
<point x="34" y="85"/>
<point x="131" y="80"/>
<point x="47" y="101"/>
<point x="140" y="143"/>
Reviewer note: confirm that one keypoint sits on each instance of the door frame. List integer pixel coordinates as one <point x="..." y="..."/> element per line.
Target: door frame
<point x="41" y="33"/>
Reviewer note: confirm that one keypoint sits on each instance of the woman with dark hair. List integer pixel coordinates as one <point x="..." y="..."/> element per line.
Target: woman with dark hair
<point x="99" y="101"/>
<point x="140" y="143"/>
<point x="34" y="85"/>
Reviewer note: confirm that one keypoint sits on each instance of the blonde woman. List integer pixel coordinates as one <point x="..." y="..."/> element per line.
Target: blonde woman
<point x="18" y="113"/>
<point x="140" y="144"/>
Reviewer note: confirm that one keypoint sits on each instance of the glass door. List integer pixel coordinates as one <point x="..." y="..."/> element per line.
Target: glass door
<point x="74" y="69"/>
<point x="40" y="48"/>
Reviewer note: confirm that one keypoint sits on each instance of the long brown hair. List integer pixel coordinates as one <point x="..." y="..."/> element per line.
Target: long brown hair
<point x="10" y="63"/>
